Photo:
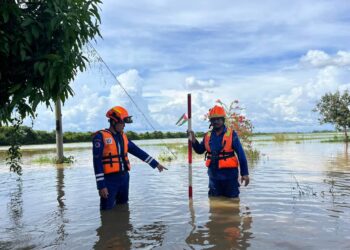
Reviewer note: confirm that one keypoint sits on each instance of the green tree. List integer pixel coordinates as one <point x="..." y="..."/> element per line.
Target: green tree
<point x="41" y="52"/>
<point x="334" y="108"/>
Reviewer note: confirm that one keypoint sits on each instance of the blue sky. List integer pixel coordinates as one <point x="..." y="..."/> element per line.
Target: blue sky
<point x="277" y="57"/>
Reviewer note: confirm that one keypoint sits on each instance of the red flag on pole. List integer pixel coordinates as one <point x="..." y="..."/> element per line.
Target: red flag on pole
<point x="183" y="119"/>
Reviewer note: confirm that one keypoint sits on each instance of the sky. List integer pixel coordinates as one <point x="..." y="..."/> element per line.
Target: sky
<point x="276" y="57"/>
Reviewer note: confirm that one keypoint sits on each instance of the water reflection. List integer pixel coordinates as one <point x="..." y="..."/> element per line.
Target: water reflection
<point x="15" y="206"/>
<point x="15" y="212"/>
<point x="340" y="160"/>
<point x="149" y="236"/>
<point x="115" y="229"/>
<point x="117" y="232"/>
<point x="226" y="228"/>
<point x="42" y="211"/>
<point x="60" y="215"/>
<point x="16" y="228"/>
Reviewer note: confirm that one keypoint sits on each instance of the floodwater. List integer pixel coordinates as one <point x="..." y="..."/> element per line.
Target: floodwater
<point x="298" y="198"/>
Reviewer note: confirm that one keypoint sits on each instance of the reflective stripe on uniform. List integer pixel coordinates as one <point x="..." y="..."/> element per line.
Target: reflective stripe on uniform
<point x="149" y="159"/>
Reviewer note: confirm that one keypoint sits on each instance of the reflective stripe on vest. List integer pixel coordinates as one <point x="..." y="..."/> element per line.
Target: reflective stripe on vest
<point x="226" y="157"/>
<point x="112" y="160"/>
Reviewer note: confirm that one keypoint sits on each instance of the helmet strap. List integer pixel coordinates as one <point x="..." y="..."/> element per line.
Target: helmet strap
<point x="113" y="124"/>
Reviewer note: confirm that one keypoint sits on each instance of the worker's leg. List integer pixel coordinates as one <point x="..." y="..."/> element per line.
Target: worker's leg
<point x="112" y="185"/>
<point x="230" y="187"/>
<point x="123" y="192"/>
<point x="108" y="203"/>
<point x="214" y="188"/>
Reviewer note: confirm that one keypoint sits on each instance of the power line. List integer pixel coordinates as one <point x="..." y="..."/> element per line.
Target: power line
<point x="126" y="92"/>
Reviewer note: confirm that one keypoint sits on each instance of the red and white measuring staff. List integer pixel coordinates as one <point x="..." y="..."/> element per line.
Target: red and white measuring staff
<point x="189" y="111"/>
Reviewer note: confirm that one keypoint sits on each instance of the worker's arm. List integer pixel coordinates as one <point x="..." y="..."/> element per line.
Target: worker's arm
<point x="97" y="150"/>
<point x="243" y="164"/>
<point x="143" y="156"/>
<point x="199" y="148"/>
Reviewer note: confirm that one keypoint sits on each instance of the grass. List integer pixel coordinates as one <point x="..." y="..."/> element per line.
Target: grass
<point x="166" y="156"/>
<point x="299" y="137"/>
<point x="44" y="160"/>
<point x="172" y="151"/>
<point x="253" y="155"/>
<point x="279" y="138"/>
<point x="335" y="139"/>
<point x="53" y="160"/>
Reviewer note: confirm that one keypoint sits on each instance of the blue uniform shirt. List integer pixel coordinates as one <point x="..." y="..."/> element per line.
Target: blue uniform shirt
<point x="97" y="150"/>
<point x="215" y="144"/>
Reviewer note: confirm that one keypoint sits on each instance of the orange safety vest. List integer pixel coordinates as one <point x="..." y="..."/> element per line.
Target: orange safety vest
<point x="111" y="157"/>
<point x="226" y="157"/>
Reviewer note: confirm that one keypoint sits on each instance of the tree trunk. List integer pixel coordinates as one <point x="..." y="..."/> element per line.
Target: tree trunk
<point x="59" y="133"/>
<point x="346" y="134"/>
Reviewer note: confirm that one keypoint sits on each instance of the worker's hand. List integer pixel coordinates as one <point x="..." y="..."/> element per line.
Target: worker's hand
<point x="103" y="193"/>
<point x="245" y="179"/>
<point x="161" y="167"/>
<point x="191" y="135"/>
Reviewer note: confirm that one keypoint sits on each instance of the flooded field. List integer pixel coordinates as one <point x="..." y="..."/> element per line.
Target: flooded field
<point x="298" y="198"/>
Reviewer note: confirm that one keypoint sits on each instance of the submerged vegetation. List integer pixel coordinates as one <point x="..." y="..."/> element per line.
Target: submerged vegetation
<point x="279" y="138"/>
<point x="173" y="152"/>
<point x="335" y="138"/>
<point x="308" y="190"/>
<point x="53" y="160"/>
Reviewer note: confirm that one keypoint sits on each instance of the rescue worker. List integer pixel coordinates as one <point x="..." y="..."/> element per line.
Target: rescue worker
<point x="110" y="157"/>
<point x="224" y="153"/>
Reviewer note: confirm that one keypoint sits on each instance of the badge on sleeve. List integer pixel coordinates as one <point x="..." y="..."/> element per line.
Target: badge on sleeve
<point x="97" y="144"/>
<point x="109" y="141"/>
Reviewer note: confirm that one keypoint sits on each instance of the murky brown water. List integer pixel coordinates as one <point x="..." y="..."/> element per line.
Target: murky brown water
<point x="299" y="198"/>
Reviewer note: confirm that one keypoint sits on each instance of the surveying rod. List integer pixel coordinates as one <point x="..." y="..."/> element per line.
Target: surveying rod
<point x="189" y="111"/>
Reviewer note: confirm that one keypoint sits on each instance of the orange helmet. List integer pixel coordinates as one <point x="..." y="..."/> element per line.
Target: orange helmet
<point x="118" y="114"/>
<point x="216" y="111"/>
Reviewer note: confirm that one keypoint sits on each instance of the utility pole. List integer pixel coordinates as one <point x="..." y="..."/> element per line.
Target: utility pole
<point x="59" y="133"/>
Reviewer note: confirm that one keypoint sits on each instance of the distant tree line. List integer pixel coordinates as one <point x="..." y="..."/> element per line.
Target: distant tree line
<point x="27" y="136"/>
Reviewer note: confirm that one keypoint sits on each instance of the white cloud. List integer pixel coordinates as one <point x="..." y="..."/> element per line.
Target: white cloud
<point x="192" y="83"/>
<point x="297" y="104"/>
<point x="86" y="110"/>
<point x="342" y="58"/>
<point x="318" y="58"/>
<point x="277" y="63"/>
<point x="286" y="105"/>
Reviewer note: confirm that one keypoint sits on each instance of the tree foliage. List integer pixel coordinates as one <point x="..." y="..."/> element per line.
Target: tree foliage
<point x="41" y="45"/>
<point x="41" y="51"/>
<point x="14" y="153"/>
<point x="334" y="108"/>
